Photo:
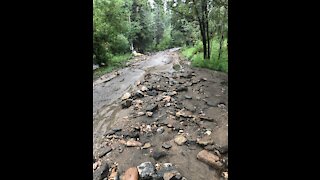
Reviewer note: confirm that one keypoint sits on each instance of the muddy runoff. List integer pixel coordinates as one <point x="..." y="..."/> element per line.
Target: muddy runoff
<point x="169" y="123"/>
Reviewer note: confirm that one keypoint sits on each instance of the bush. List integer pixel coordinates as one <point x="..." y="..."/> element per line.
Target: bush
<point x="120" y="44"/>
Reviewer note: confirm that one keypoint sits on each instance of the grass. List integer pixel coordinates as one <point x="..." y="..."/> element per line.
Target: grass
<point x="116" y="62"/>
<point x="195" y="55"/>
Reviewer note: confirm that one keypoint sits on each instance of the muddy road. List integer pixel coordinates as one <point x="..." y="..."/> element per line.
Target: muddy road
<point x="159" y="110"/>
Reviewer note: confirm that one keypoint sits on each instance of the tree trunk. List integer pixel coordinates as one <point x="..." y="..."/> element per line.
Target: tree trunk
<point x="208" y="37"/>
<point x="222" y="33"/>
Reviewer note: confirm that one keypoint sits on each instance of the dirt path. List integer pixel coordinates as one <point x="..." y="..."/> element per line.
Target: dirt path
<point x="173" y="114"/>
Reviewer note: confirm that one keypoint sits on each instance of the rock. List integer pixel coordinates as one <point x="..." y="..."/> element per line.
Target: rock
<point x="168" y="176"/>
<point x="96" y="165"/>
<point x="131" y="174"/>
<point x="188" y="97"/>
<point x="198" y="98"/>
<point x="141" y="113"/>
<point x="160" y="130"/>
<point x="126" y="96"/>
<point x="110" y="132"/>
<point x="104" y="151"/>
<point x="208" y="133"/>
<point x="205" y="140"/>
<point x="169" y="125"/>
<point x="209" y="147"/>
<point x="131" y="134"/>
<point x="133" y="143"/>
<point x="180" y="140"/>
<point x="127" y="103"/>
<point x="184" y="113"/>
<point x="152" y="93"/>
<point x="152" y="107"/>
<point x="116" y="129"/>
<point x="158" y="154"/>
<point x="190" y="107"/>
<point x="206" y="118"/>
<point x="172" y="93"/>
<point x="146" y="170"/>
<point x="225" y="175"/>
<point x="209" y="159"/>
<point x="182" y="88"/>
<point x="223" y="149"/>
<point x="166" y="98"/>
<point x="213" y="103"/>
<point x="167" y="105"/>
<point x="94" y="159"/>
<point x="114" y="174"/>
<point x="143" y="89"/>
<point x="166" y="145"/>
<point x="101" y="173"/>
<point x="149" y="114"/>
<point x="146" y="146"/>
<point x="139" y="94"/>
<point x="204" y="79"/>
<point x="181" y="131"/>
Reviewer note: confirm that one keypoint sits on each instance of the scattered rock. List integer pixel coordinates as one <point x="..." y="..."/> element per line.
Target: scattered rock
<point x="205" y="140"/>
<point x="172" y="93"/>
<point x="198" y="98"/>
<point x="181" y="131"/>
<point x="114" y="174"/>
<point x="143" y="89"/>
<point x="208" y="133"/>
<point x="168" y="176"/>
<point x="158" y="154"/>
<point x="104" y="151"/>
<point x="133" y="143"/>
<point x="110" y="132"/>
<point x="146" y="170"/>
<point x="210" y="147"/>
<point x="101" y="172"/>
<point x="127" y="103"/>
<point x="209" y="159"/>
<point x="166" y="145"/>
<point x="139" y="94"/>
<point x="160" y="130"/>
<point x="126" y="96"/>
<point x="225" y="175"/>
<point x="116" y="129"/>
<point x="94" y="159"/>
<point x="223" y="149"/>
<point x="169" y="125"/>
<point x="149" y="114"/>
<point x="146" y="146"/>
<point x="152" y="93"/>
<point x="190" y="107"/>
<point x="167" y="105"/>
<point x="152" y="107"/>
<point x="131" y="174"/>
<point x="182" y="88"/>
<point x="204" y="79"/>
<point x="140" y="113"/>
<point x="206" y="118"/>
<point x="96" y="165"/>
<point x="184" y="113"/>
<point x="213" y="103"/>
<point x="188" y="97"/>
<point x="166" y="98"/>
<point x="131" y="134"/>
<point x="180" y="140"/>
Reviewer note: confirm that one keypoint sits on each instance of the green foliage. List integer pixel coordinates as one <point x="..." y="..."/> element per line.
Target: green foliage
<point x="196" y="57"/>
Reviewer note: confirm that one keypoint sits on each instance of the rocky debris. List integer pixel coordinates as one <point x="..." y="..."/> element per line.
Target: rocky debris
<point x="204" y="79"/>
<point x="160" y="130"/>
<point x="180" y="140"/>
<point x="166" y="145"/>
<point x="152" y="93"/>
<point x="172" y="93"/>
<point x="114" y="174"/>
<point x="96" y="165"/>
<point x="182" y="88"/>
<point x="202" y="117"/>
<point x="101" y="173"/>
<point x="210" y="147"/>
<point x="94" y="159"/>
<point x="166" y="98"/>
<point x="131" y="134"/>
<point x="139" y="94"/>
<point x="158" y="154"/>
<point x="167" y="105"/>
<point x="127" y="103"/>
<point x="225" y="175"/>
<point x="110" y="132"/>
<point x="116" y="129"/>
<point x="208" y="132"/>
<point x="190" y="107"/>
<point x="209" y="159"/>
<point x="146" y="146"/>
<point x="188" y="97"/>
<point x="213" y="103"/>
<point x="133" y="143"/>
<point x="205" y="140"/>
<point x="152" y="107"/>
<point x="173" y="175"/>
<point x="146" y="170"/>
<point x="104" y="151"/>
<point x="223" y="150"/>
<point x="126" y="96"/>
<point x="131" y="174"/>
<point x="140" y="113"/>
<point x="149" y="114"/>
<point x="144" y="89"/>
<point x="184" y="113"/>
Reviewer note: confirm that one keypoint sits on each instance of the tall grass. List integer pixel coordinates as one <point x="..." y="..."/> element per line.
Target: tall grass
<point x="195" y="54"/>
